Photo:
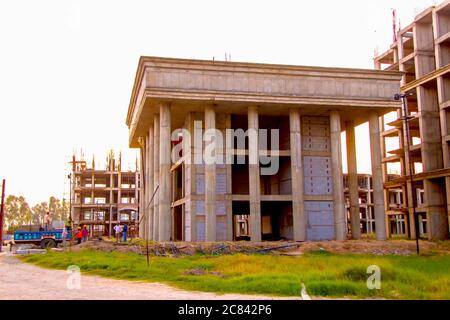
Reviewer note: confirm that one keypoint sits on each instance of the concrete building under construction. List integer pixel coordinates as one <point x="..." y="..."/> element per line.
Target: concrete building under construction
<point x="104" y="197"/>
<point x="176" y="102"/>
<point x="365" y="203"/>
<point x="422" y="53"/>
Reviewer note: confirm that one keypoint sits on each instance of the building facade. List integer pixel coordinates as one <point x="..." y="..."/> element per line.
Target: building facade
<point x="104" y="197"/>
<point x="291" y="118"/>
<point x="422" y="53"/>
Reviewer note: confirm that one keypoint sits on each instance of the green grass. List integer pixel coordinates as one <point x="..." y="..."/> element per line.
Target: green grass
<point x="324" y="274"/>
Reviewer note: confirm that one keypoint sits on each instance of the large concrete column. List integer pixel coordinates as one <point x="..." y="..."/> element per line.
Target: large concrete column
<point x="228" y="162"/>
<point x="165" y="179"/>
<point x="149" y="184"/>
<point x="353" y="180"/>
<point x="447" y="192"/>
<point x="111" y="197"/>
<point x="190" y="182"/>
<point x="445" y="149"/>
<point x="432" y="159"/>
<point x="377" y="177"/>
<point x="408" y="192"/>
<point x="254" y="178"/>
<point x="298" y="209"/>
<point x="145" y="221"/>
<point x="340" y="221"/>
<point x="142" y="168"/>
<point x="436" y="210"/>
<point x="156" y="177"/>
<point x="210" y="176"/>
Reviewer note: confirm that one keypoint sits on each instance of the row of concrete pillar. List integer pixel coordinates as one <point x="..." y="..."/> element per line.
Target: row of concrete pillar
<point x="156" y="150"/>
<point x="377" y="178"/>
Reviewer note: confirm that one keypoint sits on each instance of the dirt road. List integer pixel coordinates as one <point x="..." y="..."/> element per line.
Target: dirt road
<point x="23" y="281"/>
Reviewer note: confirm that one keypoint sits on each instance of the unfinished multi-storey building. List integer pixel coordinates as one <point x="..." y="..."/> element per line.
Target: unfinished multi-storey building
<point x="422" y="53"/>
<point x="104" y="197"/>
<point x="365" y="203"/>
<point x="187" y="197"/>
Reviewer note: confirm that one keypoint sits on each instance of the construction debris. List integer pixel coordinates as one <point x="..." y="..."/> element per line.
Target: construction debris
<point x="175" y="249"/>
<point x="30" y="251"/>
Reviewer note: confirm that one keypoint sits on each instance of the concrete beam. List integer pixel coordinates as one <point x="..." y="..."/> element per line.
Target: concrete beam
<point x="269" y="86"/>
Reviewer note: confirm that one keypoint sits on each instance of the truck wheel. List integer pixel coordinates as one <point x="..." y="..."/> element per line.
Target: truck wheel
<point x="48" y="243"/>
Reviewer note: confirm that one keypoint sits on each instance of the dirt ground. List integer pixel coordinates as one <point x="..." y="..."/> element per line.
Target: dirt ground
<point x="20" y="281"/>
<point x="394" y="247"/>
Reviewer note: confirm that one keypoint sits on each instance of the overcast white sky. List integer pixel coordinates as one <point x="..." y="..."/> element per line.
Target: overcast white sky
<point x="67" y="67"/>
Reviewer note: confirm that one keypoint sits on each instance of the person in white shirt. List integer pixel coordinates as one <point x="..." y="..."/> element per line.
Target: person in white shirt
<point x="47" y="221"/>
<point x="117" y="230"/>
<point x="64" y="236"/>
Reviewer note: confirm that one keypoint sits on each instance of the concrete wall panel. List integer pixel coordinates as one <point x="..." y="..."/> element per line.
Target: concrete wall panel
<point x="221" y="183"/>
<point x="318" y="130"/>
<point x="312" y="120"/>
<point x="200" y="183"/>
<point x="200" y="205"/>
<point x="201" y="228"/>
<point x="221" y="208"/>
<point x="320" y="220"/>
<point x="318" y="185"/>
<point x="187" y="221"/>
<point x="317" y="166"/>
<point x="320" y="233"/>
<point x="314" y="143"/>
<point x="221" y="227"/>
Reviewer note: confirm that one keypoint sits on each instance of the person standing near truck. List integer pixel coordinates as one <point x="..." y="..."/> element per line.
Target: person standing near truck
<point x="85" y="233"/>
<point x="47" y="221"/>
<point x="64" y="236"/>
<point x="79" y="235"/>
<point x="117" y="231"/>
<point x="124" y="232"/>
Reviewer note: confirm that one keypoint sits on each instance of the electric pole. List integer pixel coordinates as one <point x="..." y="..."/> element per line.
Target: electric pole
<point x="2" y="211"/>
<point x="406" y="118"/>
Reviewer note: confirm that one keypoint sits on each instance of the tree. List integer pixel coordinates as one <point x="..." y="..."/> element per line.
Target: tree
<point x="59" y="209"/>
<point x="39" y="211"/>
<point x="18" y="213"/>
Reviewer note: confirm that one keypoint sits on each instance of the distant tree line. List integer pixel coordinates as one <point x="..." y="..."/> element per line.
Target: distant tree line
<point x="18" y="212"/>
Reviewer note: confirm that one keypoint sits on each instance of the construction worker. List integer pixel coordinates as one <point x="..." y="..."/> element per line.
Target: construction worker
<point x="47" y="221"/>
<point x="79" y="235"/>
<point x="117" y="230"/>
<point x="64" y="236"/>
<point x="124" y="232"/>
<point x="85" y="233"/>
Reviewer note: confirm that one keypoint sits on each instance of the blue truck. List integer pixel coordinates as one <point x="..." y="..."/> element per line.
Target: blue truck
<point x="46" y="239"/>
